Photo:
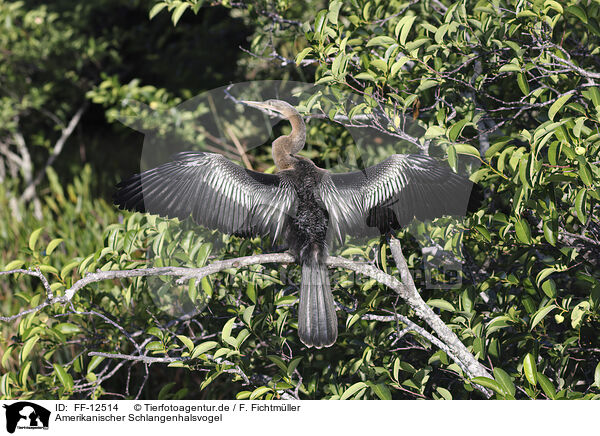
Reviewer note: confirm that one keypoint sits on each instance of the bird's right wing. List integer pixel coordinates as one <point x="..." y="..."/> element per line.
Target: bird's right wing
<point x="217" y="193"/>
<point x="389" y="195"/>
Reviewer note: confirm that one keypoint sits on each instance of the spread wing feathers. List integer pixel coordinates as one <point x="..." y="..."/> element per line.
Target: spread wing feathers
<point x="390" y="194"/>
<point x="217" y="193"/>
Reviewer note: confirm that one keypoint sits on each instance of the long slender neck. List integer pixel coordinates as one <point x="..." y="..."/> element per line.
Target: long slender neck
<point x="298" y="135"/>
<point x="285" y="147"/>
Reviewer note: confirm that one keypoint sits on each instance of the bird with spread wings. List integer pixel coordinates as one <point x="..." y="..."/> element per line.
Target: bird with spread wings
<point x="305" y="206"/>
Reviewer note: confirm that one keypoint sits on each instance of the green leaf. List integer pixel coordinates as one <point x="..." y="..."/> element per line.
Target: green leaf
<point x="441" y="304"/>
<point x="178" y="12"/>
<point x="382" y="391"/>
<point x="495" y="148"/>
<point x="578" y="312"/>
<point x="523" y="231"/>
<point x="334" y="10"/>
<point x="557" y="105"/>
<point x="94" y="362"/>
<point x="541" y="314"/>
<point x="554" y="5"/>
<point x="325" y="79"/>
<point x="65" y="379"/>
<point x="498" y="323"/>
<point x="529" y="368"/>
<point x="452" y="158"/>
<point x="526" y="13"/>
<point x="259" y="392"/>
<point x="403" y="27"/>
<point x="484" y="232"/>
<point x="523" y="84"/>
<point x="380" y="64"/>
<point x="226" y="332"/>
<point x="467" y="149"/>
<point x="509" y="67"/>
<point x="439" y="34"/>
<point x="67" y="328"/>
<point x="52" y="245"/>
<point x="203" y="348"/>
<point x="155" y="346"/>
<point x="320" y="21"/>
<point x="156" y="9"/>
<point x="457" y="129"/>
<point x="247" y="315"/>
<point x="300" y="57"/>
<point x="5" y="382"/>
<point x="24" y="372"/>
<point x="164" y="392"/>
<point x="155" y="331"/>
<point x="28" y="346"/>
<point x="546" y="386"/>
<point x="549" y="288"/>
<point x="584" y="171"/>
<point x="545" y="128"/>
<point x="593" y="94"/>
<point x="365" y="76"/>
<point x="203" y="254"/>
<point x="412" y="46"/>
<point x="279" y="362"/>
<point x="251" y="291"/>
<point x="445" y="393"/>
<point x="353" y="390"/>
<point x="7" y="355"/>
<point x="489" y="383"/>
<point x="381" y="40"/>
<point x="396" y="66"/>
<point x="579" y="124"/>
<point x="505" y="381"/>
<point x="426" y="84"/>
<point x="294" y="364"/>
<point x="434" y="132"/>
<point x="48" y="269"/>
<point x="34" y="237"/>
<point x="580" y="205"/>
<point x="578" y="12"/>
<point x="68" y="268"/>
<point x="187" y="342"/>
<point x="549" y="231"/>
<point x="543" y="274"/>
<point x="597" y="376"/>
<point x="15" y="264"/>
<point x="524" y="175"/>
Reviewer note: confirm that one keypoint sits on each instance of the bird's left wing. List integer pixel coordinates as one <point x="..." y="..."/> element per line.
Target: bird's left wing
<point x="389" y="195"/>
<point x="217" y="193"/>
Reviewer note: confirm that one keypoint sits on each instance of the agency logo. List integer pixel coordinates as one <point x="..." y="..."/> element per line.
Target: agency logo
<point x="26" y="415"/>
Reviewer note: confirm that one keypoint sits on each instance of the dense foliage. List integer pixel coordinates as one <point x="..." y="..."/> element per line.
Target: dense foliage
<point x="508" y="87"/>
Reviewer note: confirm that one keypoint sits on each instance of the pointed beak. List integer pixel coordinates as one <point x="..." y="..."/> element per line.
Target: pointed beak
<point x="260" y="105"/>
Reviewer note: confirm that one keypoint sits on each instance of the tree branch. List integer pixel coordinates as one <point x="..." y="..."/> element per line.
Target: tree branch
<point x="29" y="191"/>
<point x="149" y="360"/>
<point x="447" y="340"/>
<point x="459" y="352"/>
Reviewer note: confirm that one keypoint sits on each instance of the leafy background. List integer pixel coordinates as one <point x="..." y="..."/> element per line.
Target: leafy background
<point x="510" y="85"/>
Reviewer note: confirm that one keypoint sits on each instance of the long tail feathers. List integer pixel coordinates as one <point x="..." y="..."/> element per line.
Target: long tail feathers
<point x="317" y="321"/>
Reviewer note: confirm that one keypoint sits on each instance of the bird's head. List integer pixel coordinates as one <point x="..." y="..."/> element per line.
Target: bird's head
<point x="285" y="147"/>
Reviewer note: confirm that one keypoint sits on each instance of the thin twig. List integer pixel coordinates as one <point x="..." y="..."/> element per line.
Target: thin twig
<point x="240" y="148"/>
<point x="29" y="191"/>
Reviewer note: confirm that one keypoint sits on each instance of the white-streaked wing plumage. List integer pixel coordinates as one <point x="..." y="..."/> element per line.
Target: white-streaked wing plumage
<point x="390" y="194"/>
<point x="217" y="193"/>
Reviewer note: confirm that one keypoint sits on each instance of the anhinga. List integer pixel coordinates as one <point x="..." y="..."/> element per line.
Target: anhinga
<point x="302" y="204"/>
